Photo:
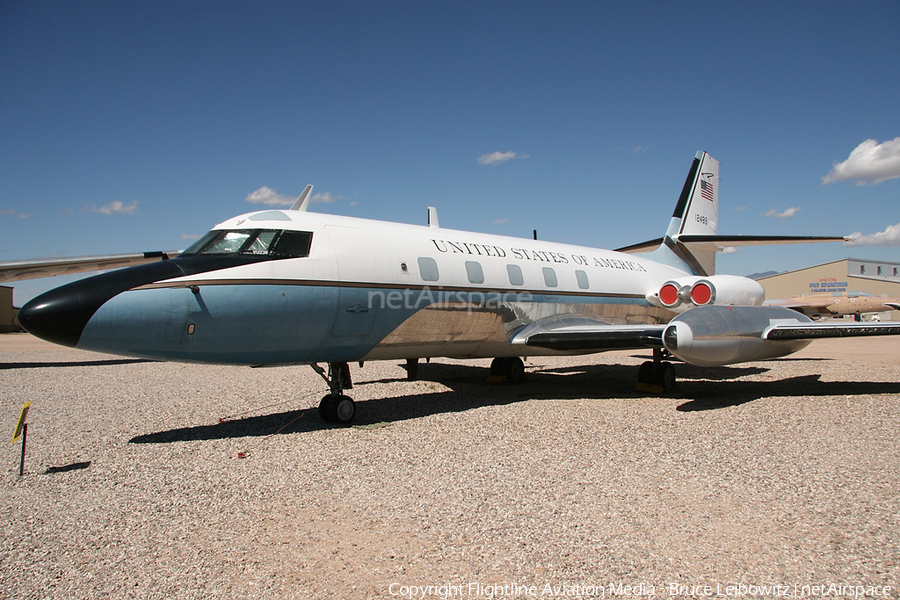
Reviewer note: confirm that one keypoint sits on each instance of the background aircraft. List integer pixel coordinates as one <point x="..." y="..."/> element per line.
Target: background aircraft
<point x="837" y="304"/>
<point x="292" y="287"/>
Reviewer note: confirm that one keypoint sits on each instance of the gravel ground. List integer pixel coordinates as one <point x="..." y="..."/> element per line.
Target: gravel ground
<point x="158" y="480"/>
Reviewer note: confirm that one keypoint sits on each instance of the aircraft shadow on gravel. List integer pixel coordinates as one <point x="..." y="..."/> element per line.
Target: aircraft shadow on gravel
<point x="706" y="389"/>
<point x="78" y="363"/>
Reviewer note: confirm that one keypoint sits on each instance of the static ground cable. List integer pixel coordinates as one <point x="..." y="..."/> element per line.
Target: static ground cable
<point x="264" y="439"/>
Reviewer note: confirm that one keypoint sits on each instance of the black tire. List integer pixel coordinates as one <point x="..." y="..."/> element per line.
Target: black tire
<point x="665" y="378"/>
<point x="498" y="367"/>
<point x="412" y="369"/>
<point x="645" y="372"/>
<point x="344" y="410"/>
<point x="514" y="369"/>
<point x="326" y="408"/>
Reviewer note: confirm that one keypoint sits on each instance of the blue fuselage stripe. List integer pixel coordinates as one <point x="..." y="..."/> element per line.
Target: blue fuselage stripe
<point x="279" y="323"/>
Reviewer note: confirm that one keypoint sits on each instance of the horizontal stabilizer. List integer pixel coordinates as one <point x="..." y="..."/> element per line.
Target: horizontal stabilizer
<point x="754" y="240"/>
<point x="721" y="241"/>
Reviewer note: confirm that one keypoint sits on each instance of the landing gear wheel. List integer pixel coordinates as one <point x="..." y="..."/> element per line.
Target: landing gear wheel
<point x="665" y="377"/>
<point x="412" y="369"/>
<point x="645" y="372"/>
<point x="661" y="374"/>
<point x="510" y="367"/>
<point x="344" y="410"/>
<point x="337" y="409"/>
<point x="497" y="367"/>
<point x="514" y="369"/>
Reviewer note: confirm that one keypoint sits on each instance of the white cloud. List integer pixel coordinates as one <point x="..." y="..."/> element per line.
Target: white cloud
<point x="116" y="207"/>
<point x="500" y="222"/>
<point x="495" y="158"/>
<point x="323" y="198"/>
<point x="269" y="197"/>
<point x="888" y="237"/>
<point x="189" y="236"/>
<point x="785" y="214"/>
<point x="870" y="161"/>
<point x="11" y="212"/>
<point x="728" y="250"/>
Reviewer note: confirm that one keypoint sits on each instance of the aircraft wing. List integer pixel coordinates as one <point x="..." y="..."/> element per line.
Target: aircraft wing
<point x="34" y="269"/>
<point x="580" y="333"/>
<point x="810" y="309"/>
<point x="819" y="329"/>
<point x="586" y="334"/>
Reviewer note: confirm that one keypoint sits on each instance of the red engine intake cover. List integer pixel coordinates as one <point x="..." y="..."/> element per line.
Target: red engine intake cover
<point x="668" y="295"/>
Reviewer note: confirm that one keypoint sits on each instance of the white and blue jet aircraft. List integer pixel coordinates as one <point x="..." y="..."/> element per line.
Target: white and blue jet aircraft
<point x="280" y="287"/>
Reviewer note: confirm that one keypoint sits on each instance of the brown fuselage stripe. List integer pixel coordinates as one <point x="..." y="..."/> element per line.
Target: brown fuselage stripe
<point x="380" y="286"/>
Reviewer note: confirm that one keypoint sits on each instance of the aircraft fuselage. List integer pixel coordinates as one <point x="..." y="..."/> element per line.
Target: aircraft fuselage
<point x="365" y="290"/>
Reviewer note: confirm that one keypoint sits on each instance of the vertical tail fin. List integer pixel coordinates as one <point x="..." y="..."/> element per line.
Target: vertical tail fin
<point x="696" y="214"/>
<point x="691" y="242"/>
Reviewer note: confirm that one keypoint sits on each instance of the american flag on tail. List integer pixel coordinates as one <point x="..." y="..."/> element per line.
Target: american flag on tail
<point x="706" y="189"/>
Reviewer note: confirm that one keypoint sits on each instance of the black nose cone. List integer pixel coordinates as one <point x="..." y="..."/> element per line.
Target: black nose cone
<point x="58" y="316"/>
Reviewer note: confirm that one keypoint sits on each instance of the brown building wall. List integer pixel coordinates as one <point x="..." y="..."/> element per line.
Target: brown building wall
<point x="7" y="316"/>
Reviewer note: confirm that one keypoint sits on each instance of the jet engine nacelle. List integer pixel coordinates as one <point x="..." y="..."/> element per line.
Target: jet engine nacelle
<point x="711" y="336"/>
<point x="720" y="290"/>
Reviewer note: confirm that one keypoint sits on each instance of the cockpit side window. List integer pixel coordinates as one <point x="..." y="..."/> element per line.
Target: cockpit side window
<point x="261" y="242"/>
<point x="292" y="243"/>
<point x="203" y="242"/>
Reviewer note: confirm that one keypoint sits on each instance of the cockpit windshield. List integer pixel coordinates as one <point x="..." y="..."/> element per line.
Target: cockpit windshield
<point x="263" y="242"/>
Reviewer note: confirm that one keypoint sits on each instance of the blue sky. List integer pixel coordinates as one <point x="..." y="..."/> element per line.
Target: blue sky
<point x="134" y="126"/>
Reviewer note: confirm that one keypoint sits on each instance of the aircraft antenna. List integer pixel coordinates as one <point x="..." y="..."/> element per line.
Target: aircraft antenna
<point x="302" y="201"/>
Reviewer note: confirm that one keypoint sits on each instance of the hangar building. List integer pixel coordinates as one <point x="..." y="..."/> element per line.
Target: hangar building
<point x="7" y="311"/>
<point x="876" y="278"/>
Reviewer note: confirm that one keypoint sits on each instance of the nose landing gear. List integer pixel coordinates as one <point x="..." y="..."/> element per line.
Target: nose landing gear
<point x="336" y="407"/>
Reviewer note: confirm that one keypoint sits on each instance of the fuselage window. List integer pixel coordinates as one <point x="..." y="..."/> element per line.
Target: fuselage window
<point x="428" y="269"/>
<point x="515" y="275"/>
<point x="582" y="278"/>
<point x="263" y="242"/>
<point x="550" y="277"/>
<point x="474" y="272"/>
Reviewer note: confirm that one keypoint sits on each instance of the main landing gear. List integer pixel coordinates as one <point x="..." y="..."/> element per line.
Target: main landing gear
<point x="510" y="367"/>
<point x="658" y="372"/>
<point x="336" y="407"/>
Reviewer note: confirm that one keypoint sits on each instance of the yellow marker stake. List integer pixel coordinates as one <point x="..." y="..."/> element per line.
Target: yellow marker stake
<point x="21" y="424"/>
